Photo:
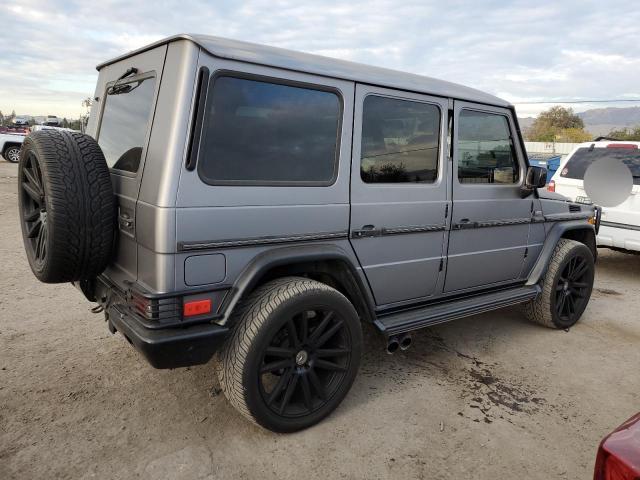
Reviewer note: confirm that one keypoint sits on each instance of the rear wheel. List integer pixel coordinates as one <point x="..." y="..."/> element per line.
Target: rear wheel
<point x="566" y="287"/>
<point x="12" y="154"/>
<point x="293" y="355"/>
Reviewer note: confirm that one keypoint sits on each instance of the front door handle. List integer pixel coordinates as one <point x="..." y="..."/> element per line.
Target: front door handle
<point x="463" y="224"/>
<point x="366" y="231"/>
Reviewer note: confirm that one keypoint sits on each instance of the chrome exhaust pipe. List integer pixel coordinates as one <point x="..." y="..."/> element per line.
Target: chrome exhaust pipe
<point x="405" y="341"/>
<point x="393" y="345"/>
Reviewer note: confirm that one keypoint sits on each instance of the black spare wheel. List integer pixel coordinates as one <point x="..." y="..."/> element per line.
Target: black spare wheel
<point x="67" y="206"/>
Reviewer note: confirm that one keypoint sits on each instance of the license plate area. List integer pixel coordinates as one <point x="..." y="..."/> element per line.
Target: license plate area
<point x="583" y="199"/>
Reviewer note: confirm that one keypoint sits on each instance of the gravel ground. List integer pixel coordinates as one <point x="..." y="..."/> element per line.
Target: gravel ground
<point x="488" y="397"/>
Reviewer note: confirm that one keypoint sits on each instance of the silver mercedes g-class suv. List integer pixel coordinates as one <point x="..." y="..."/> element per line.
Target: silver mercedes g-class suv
<point x="263" y="203"/>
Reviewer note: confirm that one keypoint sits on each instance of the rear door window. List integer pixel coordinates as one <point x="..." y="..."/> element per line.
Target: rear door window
<point x="125" y="122"/>
<point x="259" y="132"/>
<point x="400" y="140"/>
<point x="583" y="157"/>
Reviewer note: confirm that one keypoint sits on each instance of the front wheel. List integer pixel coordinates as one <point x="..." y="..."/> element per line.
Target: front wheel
<point x="12" y="154"/>
<point x="566" y="287"/>
<point x="293" y="355"/>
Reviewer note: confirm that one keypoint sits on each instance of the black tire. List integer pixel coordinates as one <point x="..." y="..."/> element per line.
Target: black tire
<point x="566" y="287"/>
<point x="12" y="154"/>
<point x="67" y="206"/>
<point x="302" y="380"/>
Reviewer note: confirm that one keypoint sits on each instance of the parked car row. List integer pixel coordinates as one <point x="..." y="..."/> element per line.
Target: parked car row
<point x="12" y="137"/>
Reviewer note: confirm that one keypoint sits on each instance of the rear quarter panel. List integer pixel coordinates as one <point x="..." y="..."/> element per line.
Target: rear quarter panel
<point x="224" y="213"/>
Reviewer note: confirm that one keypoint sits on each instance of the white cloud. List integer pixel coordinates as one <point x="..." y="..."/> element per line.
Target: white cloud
<point x="521" y="50"/>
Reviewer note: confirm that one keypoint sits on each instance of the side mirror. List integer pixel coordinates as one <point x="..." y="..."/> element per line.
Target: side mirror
<point x="536" y="178"/>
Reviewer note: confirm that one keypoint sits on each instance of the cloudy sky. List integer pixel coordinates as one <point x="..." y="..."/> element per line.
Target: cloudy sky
<point x="521" y="51"/>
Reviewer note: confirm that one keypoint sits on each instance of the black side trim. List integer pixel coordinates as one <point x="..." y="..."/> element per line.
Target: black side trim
<point x="267" y="240"/>
<point x="492" y="223"/>
<point x="624" y="226"/>
<point x="413" y="229"/>
<point x="402" y="230"/>
<point x="561" y="217"/>
<point x="198" y="116"/>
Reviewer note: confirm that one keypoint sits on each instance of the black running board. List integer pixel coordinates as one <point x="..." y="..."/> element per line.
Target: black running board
<point x="408" y="320"/>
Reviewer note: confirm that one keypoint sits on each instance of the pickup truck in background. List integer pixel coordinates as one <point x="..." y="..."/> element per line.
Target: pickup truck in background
<point x="11" y="139"/>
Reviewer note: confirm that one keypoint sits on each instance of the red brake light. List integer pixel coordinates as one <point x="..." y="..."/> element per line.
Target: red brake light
<point x="630" y="146"/>
<point x="552" y="186"/>
<point x="619" y="453"/>
<point x="197" y="307"/>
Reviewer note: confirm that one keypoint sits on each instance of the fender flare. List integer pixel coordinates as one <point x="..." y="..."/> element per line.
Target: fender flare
<point x="554" y="235"/>
<point x="283" y="256"/>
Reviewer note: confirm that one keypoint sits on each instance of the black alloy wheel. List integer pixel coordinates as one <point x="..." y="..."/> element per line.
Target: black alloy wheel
<point x="33" y="204"/>
<point x="293" y="354"/>
<point x="572" y="289"/>
<point x="305" y="363"/>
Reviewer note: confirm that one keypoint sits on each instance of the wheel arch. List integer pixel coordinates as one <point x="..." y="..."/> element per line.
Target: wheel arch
<point x="328" y="264"/>
<point x="574" y="230"/>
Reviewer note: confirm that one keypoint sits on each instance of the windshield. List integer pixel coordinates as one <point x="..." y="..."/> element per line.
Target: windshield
<point x="580" y="161"/>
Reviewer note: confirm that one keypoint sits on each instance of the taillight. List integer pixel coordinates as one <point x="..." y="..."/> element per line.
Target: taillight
<point x="611" y="468"/>
<point x="619" y="453"/>
<point x="552" y="186"/>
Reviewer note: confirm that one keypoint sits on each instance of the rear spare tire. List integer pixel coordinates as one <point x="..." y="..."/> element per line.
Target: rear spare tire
<point x="67" y="206"/>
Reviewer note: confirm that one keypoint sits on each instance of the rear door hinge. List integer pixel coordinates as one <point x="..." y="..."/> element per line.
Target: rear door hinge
<point x="441" y="264"/>
<point x="526" y="252"/>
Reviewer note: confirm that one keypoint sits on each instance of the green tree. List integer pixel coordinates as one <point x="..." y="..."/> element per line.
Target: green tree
<point x="558" y="124"/>
<point x="632" y="134"/>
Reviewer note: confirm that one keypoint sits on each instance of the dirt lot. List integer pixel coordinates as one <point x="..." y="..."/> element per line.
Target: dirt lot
<point x="489" y="397"/>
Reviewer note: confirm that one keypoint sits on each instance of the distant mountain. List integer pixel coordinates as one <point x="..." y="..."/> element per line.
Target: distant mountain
<point x="600" y="121"/>
<point x="624" y="117"/>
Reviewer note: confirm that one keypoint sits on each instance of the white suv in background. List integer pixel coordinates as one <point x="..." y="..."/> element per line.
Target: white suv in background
<point x="620" y="225"/>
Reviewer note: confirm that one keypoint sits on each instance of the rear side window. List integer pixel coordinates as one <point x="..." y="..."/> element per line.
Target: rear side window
<point x="125" y="121"/>
<point x="400" y="141"/>
<point x="263" y="133"/>
<point x="485" y="149"/>
<point x="583" y="157"/>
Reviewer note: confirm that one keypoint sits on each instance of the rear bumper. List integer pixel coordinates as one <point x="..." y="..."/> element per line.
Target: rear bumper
<point x="169" y="347"/>
<point x="618" y="235"/>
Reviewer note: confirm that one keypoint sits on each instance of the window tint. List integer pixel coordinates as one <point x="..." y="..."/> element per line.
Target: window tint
<point x="125" y="121"/>
<point x="485" y="149"/>
<point x="259" y="132"/>
<point x="580" y="161"/>
<point x="400" y="141"/>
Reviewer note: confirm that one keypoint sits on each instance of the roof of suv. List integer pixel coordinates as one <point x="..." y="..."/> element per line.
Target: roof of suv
<point x="325" y="66"/>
